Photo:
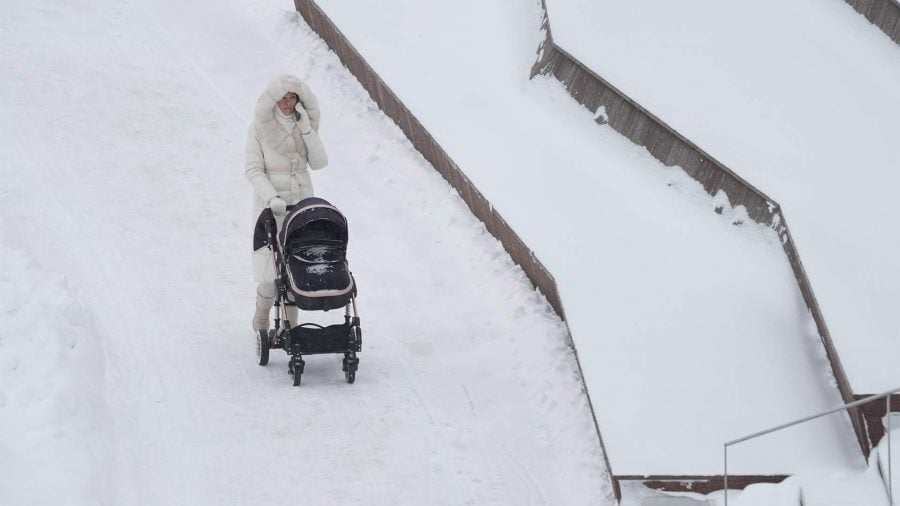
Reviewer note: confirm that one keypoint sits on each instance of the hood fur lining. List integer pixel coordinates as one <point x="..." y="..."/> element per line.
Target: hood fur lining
<point x="273" y="134"/>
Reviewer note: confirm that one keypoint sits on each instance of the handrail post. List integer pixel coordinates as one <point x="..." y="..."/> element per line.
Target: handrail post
<point x="890" y="460"/>
<point x="726" y="474"/>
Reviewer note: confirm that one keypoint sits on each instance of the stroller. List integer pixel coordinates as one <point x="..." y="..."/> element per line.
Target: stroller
<point x="311" y="272"/>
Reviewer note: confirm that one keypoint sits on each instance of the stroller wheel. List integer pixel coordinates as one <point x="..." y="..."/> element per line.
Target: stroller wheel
<point x="262" y="347"/>
<point x="296" y="369"/>
<point x="351" y="363"/>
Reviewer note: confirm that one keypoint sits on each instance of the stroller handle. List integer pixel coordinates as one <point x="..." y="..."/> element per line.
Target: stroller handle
<point x="269" y="216"/>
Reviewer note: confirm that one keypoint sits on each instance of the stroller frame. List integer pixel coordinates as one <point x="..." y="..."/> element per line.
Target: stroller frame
<point x="307" y="338"/>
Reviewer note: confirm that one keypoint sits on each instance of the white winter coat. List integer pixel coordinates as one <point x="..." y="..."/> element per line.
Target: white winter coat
<point x="277" y="159"/>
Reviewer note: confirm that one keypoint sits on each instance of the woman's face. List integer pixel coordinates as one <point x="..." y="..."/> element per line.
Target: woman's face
<point x="287" y="103"/>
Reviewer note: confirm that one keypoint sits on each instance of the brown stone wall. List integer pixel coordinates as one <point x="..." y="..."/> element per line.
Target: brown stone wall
<point x="873" y="412"/>
<point x="884" y="14"/>
<point x="701" y="484"/>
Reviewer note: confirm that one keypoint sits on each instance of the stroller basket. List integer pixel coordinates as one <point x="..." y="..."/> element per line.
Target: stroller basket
<point x="310" y="339"/>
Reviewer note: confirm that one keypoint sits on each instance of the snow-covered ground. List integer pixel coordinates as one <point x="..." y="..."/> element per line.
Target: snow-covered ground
<point x="691" y="330"/>
<point x="801" y="99"/>
<point x="127" y="373"/>
<point x="126" y="360"/>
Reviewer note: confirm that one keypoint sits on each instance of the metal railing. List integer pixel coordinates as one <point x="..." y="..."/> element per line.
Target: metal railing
<point x="887" y="395"/>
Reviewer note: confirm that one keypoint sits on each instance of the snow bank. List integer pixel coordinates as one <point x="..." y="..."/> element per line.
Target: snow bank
<point x="786" y="493"/>
<point x="798" y="98"/>
<point x="54" y="427"/>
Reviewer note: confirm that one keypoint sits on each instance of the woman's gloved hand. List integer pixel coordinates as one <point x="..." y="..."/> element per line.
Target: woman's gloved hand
<point x="303" y="119"/>
<point x="278" y="206"/>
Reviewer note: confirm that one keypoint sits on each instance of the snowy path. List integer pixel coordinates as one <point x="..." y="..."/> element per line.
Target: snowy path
<point x="123" y="126"/>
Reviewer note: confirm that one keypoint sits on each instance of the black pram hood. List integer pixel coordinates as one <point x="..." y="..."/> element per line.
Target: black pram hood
<point x="306" y="213"/>
<point x="311" y="254"/>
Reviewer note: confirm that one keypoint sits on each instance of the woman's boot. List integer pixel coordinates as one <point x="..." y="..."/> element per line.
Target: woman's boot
<point x="261" y="317"/>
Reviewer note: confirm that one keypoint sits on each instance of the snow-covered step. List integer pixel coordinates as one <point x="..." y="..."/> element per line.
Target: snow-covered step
<point x="667" y="500"/>
<point x="635" y="493"/>
<point x="861" y="488"/>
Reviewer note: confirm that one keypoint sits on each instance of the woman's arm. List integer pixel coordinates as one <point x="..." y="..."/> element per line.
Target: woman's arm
<point x="315" y="151"/>
<point x="310" y="103"/>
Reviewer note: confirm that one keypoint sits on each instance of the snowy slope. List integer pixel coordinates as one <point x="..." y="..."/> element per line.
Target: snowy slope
<point x="121" y="150"/>
<point x="691" y="330"/>
<point x="800" y="99"/>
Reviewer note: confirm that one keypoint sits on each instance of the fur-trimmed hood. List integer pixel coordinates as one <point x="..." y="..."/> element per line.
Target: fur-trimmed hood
<point x="273" y="134"/>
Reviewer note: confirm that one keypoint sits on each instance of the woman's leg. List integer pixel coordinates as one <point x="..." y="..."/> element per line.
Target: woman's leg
<point x="265" y="298"/>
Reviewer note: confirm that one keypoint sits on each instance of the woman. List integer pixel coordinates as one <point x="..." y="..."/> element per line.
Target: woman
<point x="283" y="140"/>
